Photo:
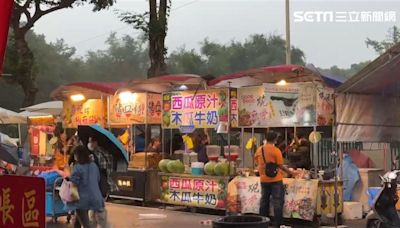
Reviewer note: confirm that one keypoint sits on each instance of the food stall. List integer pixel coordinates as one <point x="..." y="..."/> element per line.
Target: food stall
<point x="188" y="182"/>
<point x="42" y="121"/>
<point x="129" y="109"/>
<point x="287" y="96"/>
<point x="139" y="104"/>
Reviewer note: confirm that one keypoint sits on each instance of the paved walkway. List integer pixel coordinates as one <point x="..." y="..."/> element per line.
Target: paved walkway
<point x="123" y="216"/>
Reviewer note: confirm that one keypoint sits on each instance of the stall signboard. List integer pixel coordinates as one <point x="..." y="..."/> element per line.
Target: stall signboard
<point x="141" y="109"/>
<point x="325" y="106"/>
<point x="244" y="194"/>
<point x="153" y="108"/>
<point x="22" y="201"/>
<point x="272" y="105"/>
<point x="41" y="120"/>
<point x="203" y="108"/>
<point x="128" y="112"/>
<point x="234" y="107"/>
<point x="89" y="112"/>
<point x="192" y="191"/>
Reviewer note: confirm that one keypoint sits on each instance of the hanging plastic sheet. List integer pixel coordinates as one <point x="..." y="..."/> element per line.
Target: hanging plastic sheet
<point x="350" y="175"/>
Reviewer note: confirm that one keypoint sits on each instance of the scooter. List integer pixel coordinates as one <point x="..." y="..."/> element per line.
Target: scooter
<point x="384" y="213"/>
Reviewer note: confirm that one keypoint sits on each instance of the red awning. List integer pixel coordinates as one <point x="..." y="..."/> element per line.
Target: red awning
<point x="167" y="83"/>
<point x="269" y="74"/>
<point x="89" y="89"/>
<point x="105" y="87"/>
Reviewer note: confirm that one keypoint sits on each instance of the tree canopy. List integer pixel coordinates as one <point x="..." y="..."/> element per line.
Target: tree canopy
<point x="392" y="37"/>
<point x="217" y="59"/>
<point x="126" y="58"/>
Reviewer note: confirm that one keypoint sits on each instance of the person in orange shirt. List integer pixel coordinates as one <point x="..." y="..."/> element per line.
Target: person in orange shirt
<point x="271" y="185"/>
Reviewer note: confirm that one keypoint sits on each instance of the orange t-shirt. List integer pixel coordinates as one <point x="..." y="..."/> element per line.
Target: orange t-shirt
<point x="272" y="154"/>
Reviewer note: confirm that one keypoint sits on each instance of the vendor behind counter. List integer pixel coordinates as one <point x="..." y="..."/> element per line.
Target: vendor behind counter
<point x="299" y="152"/>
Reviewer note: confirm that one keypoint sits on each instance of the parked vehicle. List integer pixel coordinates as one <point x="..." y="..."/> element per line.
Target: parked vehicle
<point x="384" y="213"/>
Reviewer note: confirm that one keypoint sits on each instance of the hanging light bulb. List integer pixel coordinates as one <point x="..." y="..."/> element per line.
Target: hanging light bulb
<point x="281" y="83"/>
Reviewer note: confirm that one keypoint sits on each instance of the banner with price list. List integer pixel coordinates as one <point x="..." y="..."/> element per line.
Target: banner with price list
<point x="194" y="191"/>
<point x="22" y="202"/>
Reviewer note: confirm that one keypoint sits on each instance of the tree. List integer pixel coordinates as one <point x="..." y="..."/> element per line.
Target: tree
<point x="154" y="24"/>
<point x="54" y="65"/>
<point x="187" y="61"/>
<point x="25" y="14"/>
<point x="392" y="37"/>
<point x="123" y="59"/>
<point x="348" y="73"/>
<point x="217" y="59"/>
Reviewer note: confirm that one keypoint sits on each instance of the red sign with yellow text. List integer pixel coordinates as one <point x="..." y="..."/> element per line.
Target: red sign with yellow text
<point x="22" y="202"/>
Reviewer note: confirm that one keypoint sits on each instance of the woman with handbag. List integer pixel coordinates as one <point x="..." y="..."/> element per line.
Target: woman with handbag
<point x="85" y="177"/>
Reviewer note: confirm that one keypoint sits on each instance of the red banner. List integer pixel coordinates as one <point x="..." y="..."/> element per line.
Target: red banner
<point x="35" y="141"/>
<point x="22" y="201"/>
<point x="5" y="16"/>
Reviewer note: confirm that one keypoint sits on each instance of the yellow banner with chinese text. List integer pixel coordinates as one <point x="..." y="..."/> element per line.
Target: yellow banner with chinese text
<point x="201" y="109"/>
<point x="89" y="112"/>
<point x="194" y="191"/>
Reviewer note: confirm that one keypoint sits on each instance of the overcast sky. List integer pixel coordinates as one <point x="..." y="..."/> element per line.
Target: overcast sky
<point x="324" y="43"/>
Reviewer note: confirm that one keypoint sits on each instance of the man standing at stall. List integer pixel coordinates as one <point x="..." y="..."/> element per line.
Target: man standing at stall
<point x="270" y="165"/>
<point x="105" y="162"/>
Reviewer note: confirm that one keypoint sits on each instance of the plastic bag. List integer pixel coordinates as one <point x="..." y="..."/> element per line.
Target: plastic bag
<point x="68" y="192"/>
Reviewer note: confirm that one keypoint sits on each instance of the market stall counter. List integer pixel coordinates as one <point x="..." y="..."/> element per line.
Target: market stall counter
<point x="304" y="199"/>
<point x="201" y="191"/>
<point x="137" y="184"/>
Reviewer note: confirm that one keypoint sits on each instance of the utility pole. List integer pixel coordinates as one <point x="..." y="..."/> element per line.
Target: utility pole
<point x="288" y="54"/>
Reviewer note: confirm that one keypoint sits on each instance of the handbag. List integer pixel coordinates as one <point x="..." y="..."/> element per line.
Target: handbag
<point x="68" y="192"/>
<point x="271" y="168"/>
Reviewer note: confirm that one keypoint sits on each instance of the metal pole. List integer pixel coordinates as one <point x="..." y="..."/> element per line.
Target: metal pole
<point x="287" y="14"/>
<point x="170" y="143"/>
<point x="252" y="135"/>
<point x="229" y="126"/>
<point x="19" y="135"/>
<point x="108" y="113"/>
<point x="146" y="136"/>
<point x="243" y="146"/>
<point x="286" y="140"/>
<point x="315" y="147"/>
<point x="162" y="141"/>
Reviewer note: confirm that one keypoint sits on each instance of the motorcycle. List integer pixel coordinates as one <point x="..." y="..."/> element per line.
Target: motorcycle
<point x="384" y="213"/>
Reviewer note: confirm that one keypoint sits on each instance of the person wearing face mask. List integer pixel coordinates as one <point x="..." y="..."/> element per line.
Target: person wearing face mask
<point x="105" y="163"/>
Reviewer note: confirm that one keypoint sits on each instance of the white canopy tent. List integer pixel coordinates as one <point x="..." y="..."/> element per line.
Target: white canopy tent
<point x="10" y="117"/>
<point x="368" y="105"/>
<point x="47" y="108"/>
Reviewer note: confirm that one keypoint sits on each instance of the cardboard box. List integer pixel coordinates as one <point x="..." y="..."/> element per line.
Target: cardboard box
<point x="352" y="210"/>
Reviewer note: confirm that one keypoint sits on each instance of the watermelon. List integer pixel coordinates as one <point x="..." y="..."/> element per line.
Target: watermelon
<point x="221" y="169"/>
<point x="175" y="166"/>
<point x="162" y="165"/>
<point x="209" y="168"/>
